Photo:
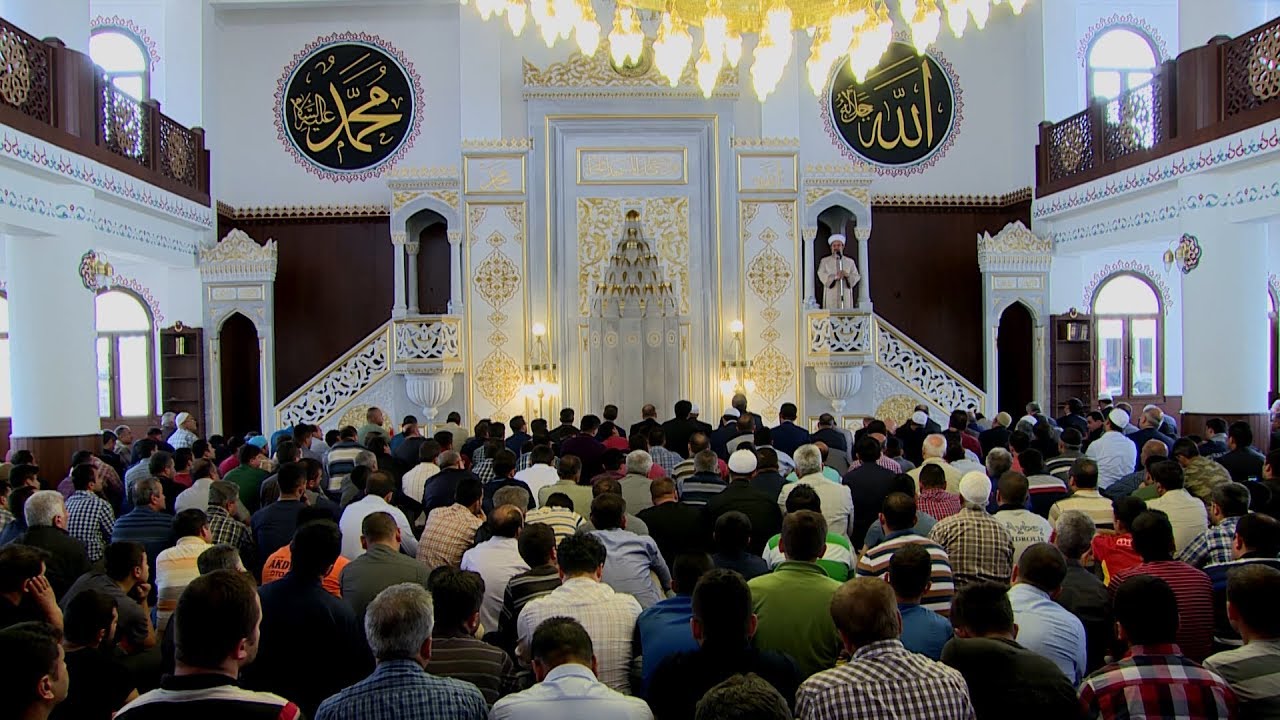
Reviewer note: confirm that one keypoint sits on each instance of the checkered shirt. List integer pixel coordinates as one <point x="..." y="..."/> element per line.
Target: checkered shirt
<point x="1211" y="546"/>
<point x="938" y="503"/>
<point x="90" y="520"/>
<point x="484" y="470"/>
<point x="449" y="533"/>
<point x="609" y="618"/>
<point x="225" y="529"/>
<point x="402" y="690"/>
<point x="6" y="517"/>
<point x="980" y="547"/>
<point x="883" y="461"/>
<point x="1156" y="681"/>
<point x="885" y="681"/>
<point x="666" y="459"/>
<point x="526" y="461"/>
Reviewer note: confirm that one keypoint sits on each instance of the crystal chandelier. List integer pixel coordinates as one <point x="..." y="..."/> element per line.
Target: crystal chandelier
<point x="859" y="29"/>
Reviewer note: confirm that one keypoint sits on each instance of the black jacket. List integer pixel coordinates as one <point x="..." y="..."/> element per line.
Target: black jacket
<point x="67" y="557"/>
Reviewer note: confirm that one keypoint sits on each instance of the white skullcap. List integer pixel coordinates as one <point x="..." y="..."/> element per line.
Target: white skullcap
<point x="975" y="487"/>
<point x="731" y="412"/>
<point x="920" y="418"/>
<point x="837" y="238"/>
<point x="1119" y="418"/>
<point x="693" y="409"/>
<point x="182" y="417"/>
<point x="742" y="462"/>
<point x="1104" y="396"/>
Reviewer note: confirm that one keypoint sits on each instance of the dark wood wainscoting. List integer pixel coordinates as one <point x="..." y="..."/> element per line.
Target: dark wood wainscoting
<point x="53" y="454"/>
<point x="1193" y="424"/>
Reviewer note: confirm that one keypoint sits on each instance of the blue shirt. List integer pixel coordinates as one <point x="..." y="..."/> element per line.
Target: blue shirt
<point x="924" y="631"/>
<point x="516" y="442"/>
<point x="629" y="560"/>
<point x="1049" y="630"/>
<point x="273" y="525"/>
<point x="664" y="630"/>
<point x="875" y="533"/>
<point x="152" y="528"/>
<point x="568" y="691"/>
<point x="402" y="690"/>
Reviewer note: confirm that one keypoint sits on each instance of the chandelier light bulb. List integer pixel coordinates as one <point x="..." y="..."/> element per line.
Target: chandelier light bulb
<point x="733" y="49"/>
<point x="981" y="11"/>
<point x="627" y="39"/>
<point x="715" y="31"/>
<point x="708" y="70"/>
<point x="1017" y="6"/>
<point x="517" y="13"/>
<point x="957" y="16"/>
<point x="925" y="22"/>
<point x="672" y="48"/>
<point x="586" y="30"/>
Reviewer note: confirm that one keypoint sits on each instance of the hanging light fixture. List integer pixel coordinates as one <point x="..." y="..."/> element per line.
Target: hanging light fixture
<point x="859" y="29"/>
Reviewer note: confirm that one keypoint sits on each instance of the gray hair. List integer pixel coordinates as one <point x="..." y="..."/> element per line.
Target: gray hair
<point x="1026" y="426"/>
<point x="706" y="461"/>
<point x="1075" y="533"/>
<point x="935" y="446"/>
<point x="448" y="459"/>
<point x="223" y="492"/>
<point x="43" y="508"/>
<point x="639" y="462"/>
<point x="399" y="621"/>
<point x="808" y="460"/>
<point x="511" y="495"/>
<point x="999" y="462"/>
<point x="144" y="490"/>
<point x="367" y="459"/>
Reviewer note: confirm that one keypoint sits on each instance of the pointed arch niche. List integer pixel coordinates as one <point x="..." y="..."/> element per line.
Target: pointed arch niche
<point x="238" y="278"/>
<point x="1015" y="269"/>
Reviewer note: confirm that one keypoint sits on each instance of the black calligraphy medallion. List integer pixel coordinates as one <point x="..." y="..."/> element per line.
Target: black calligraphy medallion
<point x="348" y="106"/>
<point x="901" y="115"/>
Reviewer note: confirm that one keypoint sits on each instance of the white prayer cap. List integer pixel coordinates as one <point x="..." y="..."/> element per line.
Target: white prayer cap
<point x="731" y="412"/>
<point x="1104" y="396"/>
<point x="693" y="409"/>
<point x="837" y="238"/>
<point x="742" y="462"/>
<point x="975" y="487"/>
<point x="182" y="417"/>
<point x="920" y="418"/>
<point x="1119" y="418"/>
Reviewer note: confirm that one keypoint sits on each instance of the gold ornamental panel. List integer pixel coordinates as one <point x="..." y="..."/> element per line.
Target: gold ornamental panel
<point x="769" y="275"/>
<point x="498" y="378"/>
<point x="15" y="73"/>
<point x="497" y="279"/>
<point x="1264" y="66"/>
<point x="897" y="408"/>
<point x="773" y="373"/>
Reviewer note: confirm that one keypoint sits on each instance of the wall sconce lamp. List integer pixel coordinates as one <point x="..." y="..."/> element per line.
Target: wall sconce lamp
<point x="541" y="372"/>
<point x="95" y="271"/>
<point x="733" y="376"/>
<point x="1185" y="253"/>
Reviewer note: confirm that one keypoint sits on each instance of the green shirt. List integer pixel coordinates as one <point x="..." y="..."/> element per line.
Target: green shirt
<point x="249" y="480"/>
<point x="838" y="561"/>
<point x="1147" y="492"/>
<point x="368" y="429"/>
<point x="793" y="604"/>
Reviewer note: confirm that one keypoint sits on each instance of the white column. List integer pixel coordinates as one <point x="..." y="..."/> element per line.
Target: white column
<point x="455" y="272"/>
<point x="1227" y="376"/>
<point x="864" y="286"/>
<point x="52" y="353"/>
<point x="397" y="242"/>
<point x="808" y="236"/>
<point x="67" y="20"/>
<point x="412" y="249"/>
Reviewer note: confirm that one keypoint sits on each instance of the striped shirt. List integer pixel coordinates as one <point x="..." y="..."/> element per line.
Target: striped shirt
<point x="207" y="696"/>
<point x="1043" y="492"/>
<point x="885" y="681"/>
<point x="1155" y="681"/>
<point x="563" y="521"/>
<point x="175" y="569"/>
<point x="402" y="690"/>
<point x="1253" y="672"/>
<point x="838" y="561"/>
<point x="1223" y="633"/>
<point x="521" y="588"/>
<point x="979" y="546"/>
<point x="698" y="488"/>
<point x="875" y="563"/>
<point x="1194" y="593"/>
<point x="1091" y="503"/>
<point x="462" y="657"/>
<point x="883" y="461"/>
<point x="90" y="520"/>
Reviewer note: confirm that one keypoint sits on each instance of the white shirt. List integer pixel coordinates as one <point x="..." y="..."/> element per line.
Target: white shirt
<point x="353" y="517"/>
<point x="609" y="618"/>
<point x="195" y="497"/>
<point x="837" y="501"/>
<point x="967" y="466"/>
<point x="1186" y="514"/>
<point x="570" y="691"/>
<point x="1026" y="527"/>
<point x="537" y="477"/>
<point x="182" y="438"/>
<point x="1116" y="456"/>
<point x="414" y="483"/>
<point x="1049" y="630"/>
<point x="497" y="560"/>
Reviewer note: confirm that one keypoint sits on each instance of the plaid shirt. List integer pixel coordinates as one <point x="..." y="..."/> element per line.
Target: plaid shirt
<point x="402" y="690"/>
<point x="483" y="469"/>
<point x="90" y="520"/>
<point x="1156" y="681"/>
<point x="449" y="533"/>
<point x="609" y="618"/>
<point x="1212" y="545"/>
<point x="980" y="547"/>
<point x="885" y="681"/>
<point x="938" y="503"/>
<point x="665" y="458"/>
<point x="883" y="461"/>
<point x="6" y="517"/>
<point x="225" y="529"/>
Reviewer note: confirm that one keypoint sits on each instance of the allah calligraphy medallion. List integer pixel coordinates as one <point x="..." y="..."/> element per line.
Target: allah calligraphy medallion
<point x="901" y="117"/>
<point x="348" y="104"/>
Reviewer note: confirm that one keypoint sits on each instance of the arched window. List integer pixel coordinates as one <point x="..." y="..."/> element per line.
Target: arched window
<point x="6" y="393"/>
<point x="1129" y="324"/>
<point x="124" y="60"/>
<point x="1120" y="58"/>
<point x="126" y="376"/>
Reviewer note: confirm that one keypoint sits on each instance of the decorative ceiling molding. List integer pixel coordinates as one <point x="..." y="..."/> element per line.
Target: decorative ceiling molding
<point x="765" y="143"/>
<point x="592" y="77"/>
<point x="522" y="144"/>
<point x="952" y="201"/>
<point x="304" y="212"/>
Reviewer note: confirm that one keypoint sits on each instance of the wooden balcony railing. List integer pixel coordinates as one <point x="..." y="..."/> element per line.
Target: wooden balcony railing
<point x="61" y="97"/>
<point x="1206" y="93"/>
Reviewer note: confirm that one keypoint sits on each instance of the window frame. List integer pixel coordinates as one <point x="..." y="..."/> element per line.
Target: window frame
<point x="144" y="74"/>
<point x="1090" y="69"/>
<point x="4" y="335"/>
<point x="1126" y="336"/>
<point x="117" y="416"/>
<point x="1273" y="344"/>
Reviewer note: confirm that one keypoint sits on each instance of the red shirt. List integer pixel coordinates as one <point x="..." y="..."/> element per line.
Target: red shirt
<point x="1116" y="553"/>
<point x="1194" y="592"/>
<point x="617" y="443"/>
<point x="226" y="466"/>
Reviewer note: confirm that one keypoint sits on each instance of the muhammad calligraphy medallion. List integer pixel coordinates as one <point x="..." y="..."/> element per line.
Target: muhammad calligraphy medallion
<point x="901" y="116"/>
<point x="348" y="104"/>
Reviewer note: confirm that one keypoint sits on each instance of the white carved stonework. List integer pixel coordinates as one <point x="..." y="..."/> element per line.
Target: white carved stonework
<point x="839" y="333"/>
<point x="455" y="237"/>
<point x="1004" y="282"/>
<point x="1014" y="249"/>
<point x="398" y="238"/>
<point x="339" y="384"/>
<point x="238" y="258"/>
<point x="412" y="247"/>
<point x="427" y="339"/>
<point x="862" y="234"/>
<point x="838" y="385"/>
<point x="925" y="374"/>
<point x="429" y="391"/>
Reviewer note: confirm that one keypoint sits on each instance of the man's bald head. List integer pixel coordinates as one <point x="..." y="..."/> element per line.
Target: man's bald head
<point x="1153" y="448"/>
<point x="506" y="521"/>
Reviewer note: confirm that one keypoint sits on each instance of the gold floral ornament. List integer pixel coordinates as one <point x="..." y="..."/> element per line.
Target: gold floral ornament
<point x="178" y="155"/>
<point x="1264" y="66"/>
<point x="15" y="70"/>
<point x="896" y="408"/>
<point x="498" y="378"/>
<point x="497" y="279"/>
<point x="773" y="373"/>
<point x="769" y="275"/>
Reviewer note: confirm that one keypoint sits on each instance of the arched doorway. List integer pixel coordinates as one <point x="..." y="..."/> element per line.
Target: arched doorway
<point x="432" y="267"/>
<point x="241" y="375"/>
<point x="835" y="220"/>
<point x="1015" y="358"/>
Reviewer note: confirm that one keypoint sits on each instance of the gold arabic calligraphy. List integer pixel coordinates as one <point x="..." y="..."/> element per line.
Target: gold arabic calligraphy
<point x="623" y="166"/>
<point x="895" y="108"/>
<point x="324" y="118"/>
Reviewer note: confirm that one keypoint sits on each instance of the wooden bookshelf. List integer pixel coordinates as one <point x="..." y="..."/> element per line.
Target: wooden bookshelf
<point x="182" y="371"/>
<point x="1071" y="359"/>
